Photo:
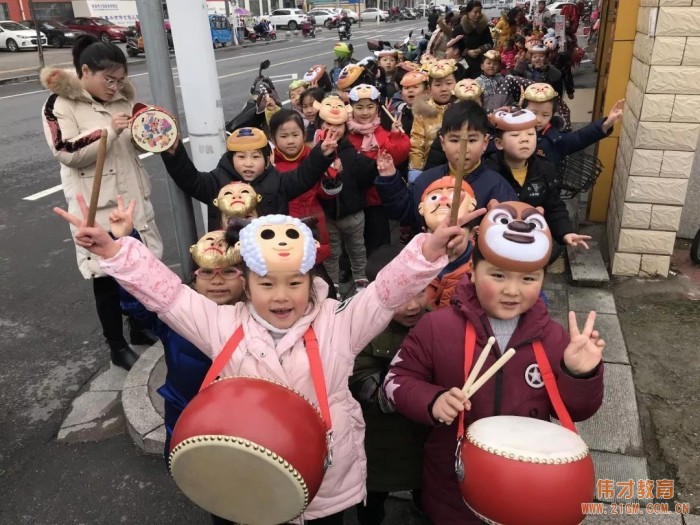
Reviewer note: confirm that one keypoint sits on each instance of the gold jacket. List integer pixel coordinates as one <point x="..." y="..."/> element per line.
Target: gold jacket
<point x="427" y="120"/>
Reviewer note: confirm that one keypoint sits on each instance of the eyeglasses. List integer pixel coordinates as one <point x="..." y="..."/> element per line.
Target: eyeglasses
<point x="113" y="83"/>
<point x="227" y="273"/>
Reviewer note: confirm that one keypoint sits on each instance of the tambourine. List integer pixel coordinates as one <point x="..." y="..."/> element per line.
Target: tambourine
<point x="153" y="129"/>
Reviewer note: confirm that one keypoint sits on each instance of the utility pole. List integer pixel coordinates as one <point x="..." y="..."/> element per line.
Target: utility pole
<point x="160" y="77"/>
<point x="199" y="83"/>
<point x="38" y="34"/>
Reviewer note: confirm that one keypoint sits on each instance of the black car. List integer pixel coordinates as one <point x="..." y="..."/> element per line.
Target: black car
<point x="56" y="33"/>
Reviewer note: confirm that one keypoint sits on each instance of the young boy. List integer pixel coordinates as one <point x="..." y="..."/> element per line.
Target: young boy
<point x="534" y="179"/>
<point x="393" y="443"/>
<point x="401" y="201"/>
<point x="413" y="85"/>
<point x="553" y="144"/>
<point x="454" y="50"/>
<point x="499" y="90"/>
<point x="427" y="115"/>
<point x="502" y="299"/>
<point x="248" y="160"/>
<point x="388" y="60"/>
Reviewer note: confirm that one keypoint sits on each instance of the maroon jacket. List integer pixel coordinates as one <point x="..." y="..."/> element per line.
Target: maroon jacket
<point x="431" y="361"/>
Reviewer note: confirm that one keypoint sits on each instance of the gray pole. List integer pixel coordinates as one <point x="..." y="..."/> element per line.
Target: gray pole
<point x="160" y="76"/>
<point x="38" y="33"/>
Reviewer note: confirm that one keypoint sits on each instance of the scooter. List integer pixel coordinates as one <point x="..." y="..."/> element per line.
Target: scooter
<point x="249" y="34"/>
<point x="253" y="112"/>
<point x="308" y="29"/>
<point x="264" y="32"/>
<point x="344" y="32"/>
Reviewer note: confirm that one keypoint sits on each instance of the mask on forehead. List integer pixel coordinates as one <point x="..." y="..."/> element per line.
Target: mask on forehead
<point x="212" y="251"/>
<point x="315" y="73"/>
<point x="514" y="236"/>
<point x="278" y="243"/>
<point x="436" y="202"/>
<point x="237" y="199"/>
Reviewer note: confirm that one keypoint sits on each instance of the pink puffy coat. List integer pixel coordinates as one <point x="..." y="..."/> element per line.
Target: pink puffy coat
<point x="343" y="330"/>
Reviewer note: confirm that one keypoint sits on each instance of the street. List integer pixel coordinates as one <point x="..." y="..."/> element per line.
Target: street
<point x="51" y="342"/>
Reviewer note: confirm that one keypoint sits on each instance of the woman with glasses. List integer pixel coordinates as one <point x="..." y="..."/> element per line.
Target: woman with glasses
<point x="97" y="95"/>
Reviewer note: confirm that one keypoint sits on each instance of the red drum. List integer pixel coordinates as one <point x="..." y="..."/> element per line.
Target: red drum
<point x="153" y="129"/>
<point x="520" y="471"/>
<point x="249" y="450"/>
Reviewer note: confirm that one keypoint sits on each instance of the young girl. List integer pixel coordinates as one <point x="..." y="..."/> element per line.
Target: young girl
<point x="248" y="160"/>
<point x="283" y="305"/>
<point x="309" y="111"/>
<point x="369" y="137"/>
<point x="98" y="95"/>
<point x="286" y="128"/>
<point x="296" y="88"/>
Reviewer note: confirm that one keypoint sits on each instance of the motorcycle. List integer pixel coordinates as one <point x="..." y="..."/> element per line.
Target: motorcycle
<point x="264" y="32"/>
<point x="332" y="23"/>
<point x="344" y="32"/>
<point x="249" y="34"/>
<point x="406" y="14"/>
<point x="253" y="112"/>
<point x="308" y="29"/>
<point x="134" y="40"/>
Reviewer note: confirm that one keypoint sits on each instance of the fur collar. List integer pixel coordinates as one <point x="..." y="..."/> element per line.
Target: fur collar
<point x="481" y="25"/>
<point x="445" y="28"/>
<point x="65" y="83"/>
<point x="424" y="107"/>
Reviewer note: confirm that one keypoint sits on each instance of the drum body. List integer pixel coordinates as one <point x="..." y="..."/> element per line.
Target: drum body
<point x="249" y="450"/>
<point x="520" y="471"/>
<point x="153" y="129"/>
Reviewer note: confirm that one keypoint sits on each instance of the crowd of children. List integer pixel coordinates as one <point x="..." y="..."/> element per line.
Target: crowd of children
<point x="382" y="142"/>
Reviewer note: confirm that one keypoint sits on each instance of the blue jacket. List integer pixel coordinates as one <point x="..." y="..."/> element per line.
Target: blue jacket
<point x="401" y="201"/>
<point x="554" y="144"/>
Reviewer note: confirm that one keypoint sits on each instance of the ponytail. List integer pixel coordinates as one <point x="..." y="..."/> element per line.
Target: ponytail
<point x="96" y="55"/>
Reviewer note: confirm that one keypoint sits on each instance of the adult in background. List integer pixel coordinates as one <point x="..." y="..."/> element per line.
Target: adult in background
<point x="433" y="18"/>
<point x="477" y="36"/>
<point x="97" y="95"/>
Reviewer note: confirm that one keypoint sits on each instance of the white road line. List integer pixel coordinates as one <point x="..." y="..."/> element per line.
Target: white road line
<point x="44" y="193"/>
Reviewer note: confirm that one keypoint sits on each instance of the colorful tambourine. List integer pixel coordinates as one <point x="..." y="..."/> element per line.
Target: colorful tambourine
<point x="153" y="129"/>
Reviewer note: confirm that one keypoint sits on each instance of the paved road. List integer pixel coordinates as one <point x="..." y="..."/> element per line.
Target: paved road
<point x="49" y="333"/>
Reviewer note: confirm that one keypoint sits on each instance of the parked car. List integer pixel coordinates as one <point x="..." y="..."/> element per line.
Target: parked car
<point x="56" y="33"/>
<point x="14" y="37"/>
<point x="555" y="8"/>
<point x="292" y="18"/>
<point x="352" y="15"/>
<point x="100" y="27"/>
<point x="373" y="13"/>
<point x="321" y="16"/>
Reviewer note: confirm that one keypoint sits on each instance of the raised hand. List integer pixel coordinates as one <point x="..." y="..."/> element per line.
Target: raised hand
<point x="94" y="239"/>
<point x="385" y="164"/>
<point x="120" y="121"/>
<point x="586" y="347"/>
<point x="330" y="143"/>
<point x="270" y="104"/>
<point x="449" y="404"/>
<point x="121" y="220"/>
<point x="446" y="237"/>
<point x="614" y="115"/>
<point x="574" y="239"/>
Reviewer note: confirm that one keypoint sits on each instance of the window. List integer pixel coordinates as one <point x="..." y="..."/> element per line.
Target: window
<point x="4" y="12"/>
<point x="53" y="10"/>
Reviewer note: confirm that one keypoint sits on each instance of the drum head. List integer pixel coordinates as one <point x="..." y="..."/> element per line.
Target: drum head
<point x="153" y="130"/>
<point x="203" y="468"/>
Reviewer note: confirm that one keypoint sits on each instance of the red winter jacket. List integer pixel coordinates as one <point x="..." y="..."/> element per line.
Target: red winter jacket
<point x="395" y="144"/>
<point x="306" y="205"/>
<point x="431" y="361"/>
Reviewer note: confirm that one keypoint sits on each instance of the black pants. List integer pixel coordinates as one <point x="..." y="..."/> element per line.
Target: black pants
<point x="372" y="513"/>
<point x="377" y="228"/>
<point x="333" y="519"/>
<point x="109" y="311"/>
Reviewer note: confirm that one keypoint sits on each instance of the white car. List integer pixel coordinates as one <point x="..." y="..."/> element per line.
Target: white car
<point x="292" y="18"/>
<point x="321" y="15"/>
<point x="555" y="8"/>
<point x="352" y="15"/>
<point x="373" y="13"/>
<point x="14" y="37"/>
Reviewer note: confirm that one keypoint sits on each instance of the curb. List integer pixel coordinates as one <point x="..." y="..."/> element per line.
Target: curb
<point x="35" y="76"/>
<point x="143" y="421"/>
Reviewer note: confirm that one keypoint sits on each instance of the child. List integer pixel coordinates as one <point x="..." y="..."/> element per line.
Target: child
<point x="388" y="60"/>
<point x="435" y="206"/>
<point x="248" y="160"/>
<point x="427" y="115"/>
<point x="502" y="299"/>
<point x="393" y="443"/>
<point x="286" y="129"/>
<point x="509" y="56"/>
<point x="499" y="90"/>
<point x="413" y="85"/>
<point x="454" y="50"/>
<point x="284" y="308"/>
<point x="296" y="88"/>
<point x="553" y="144"/>
<point x="309" y="111"/>
<point x="534" y="179"/>
<point x="401" y="202"/>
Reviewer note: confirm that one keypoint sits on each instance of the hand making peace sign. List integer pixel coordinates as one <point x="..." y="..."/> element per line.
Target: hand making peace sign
<point x="94" y="239"/>
<point x="586" y="348"/>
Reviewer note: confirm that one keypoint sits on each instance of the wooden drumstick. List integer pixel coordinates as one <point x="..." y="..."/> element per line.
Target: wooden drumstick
<point x="392" y="117"/>
<point x="459" y="177"/>
<point x="97" y="181"/>
<point x="479" y="364"/>
<point x="487" y="375"/>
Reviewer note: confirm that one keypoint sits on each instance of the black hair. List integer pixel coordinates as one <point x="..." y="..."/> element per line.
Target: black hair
<point x="316" y="93"/>
<point x="512" y="16"/>
<point x="519" y="39"/>
<point x="473" y="4"/>
<point x="431" y="79"/>
<point x="554" y="101"/>
<point x="96" y="55"/>
<point x="282" y="117"/>
<point x="477" y="256"/>
<point x="465" y="112"/>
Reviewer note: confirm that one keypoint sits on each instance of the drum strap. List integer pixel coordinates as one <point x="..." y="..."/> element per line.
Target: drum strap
<point x="550" y="384"/>
<point x="469" y="345"/>
<point x="313" y="353"/>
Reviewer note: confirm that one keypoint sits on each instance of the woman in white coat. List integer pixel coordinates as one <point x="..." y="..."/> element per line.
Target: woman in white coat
<point x="95" y="96"/>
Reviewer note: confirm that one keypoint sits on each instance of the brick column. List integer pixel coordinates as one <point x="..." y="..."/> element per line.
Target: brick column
<point x="659" y="136"/>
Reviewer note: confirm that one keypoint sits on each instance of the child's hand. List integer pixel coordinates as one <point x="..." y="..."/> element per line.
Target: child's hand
<point x="270" y="104"/>
<point x="447" y="237"/>
<point x="330" y="143"/>
<point x="614" y="115"/>
<point x="173" y="148"/>
<point x="385" y="164"/>
<point x="574" y="239"/>
<point x="94" y="239"/>
<point x="585" y="349"/>
<point x="121" y="221"/>
<point x="449" y="404"/>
